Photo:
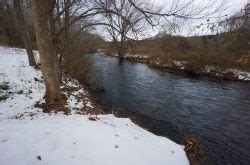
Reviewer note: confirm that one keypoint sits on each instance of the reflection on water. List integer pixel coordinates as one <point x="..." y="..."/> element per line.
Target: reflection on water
<point x="218" y="113"/>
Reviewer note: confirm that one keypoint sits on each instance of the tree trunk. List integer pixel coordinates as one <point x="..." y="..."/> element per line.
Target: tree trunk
<point x="21" y="23"/>
<point x="42" y="15"/>
<point x="65" y="37"/>
<point x="121" y="48"/>
<point x="59" y="44"/>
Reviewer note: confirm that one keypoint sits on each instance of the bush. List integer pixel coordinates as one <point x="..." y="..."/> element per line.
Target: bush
<point x="227" y="50"/>
<point x="15" y="42"/>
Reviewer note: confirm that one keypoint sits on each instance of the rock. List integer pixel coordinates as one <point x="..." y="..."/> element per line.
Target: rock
<point x="193" y="69"/>
<point x="39" y="157"/>
<point x="229" y="76"/>
<point x="20" y="92"/>
<point x="92" y="118"/>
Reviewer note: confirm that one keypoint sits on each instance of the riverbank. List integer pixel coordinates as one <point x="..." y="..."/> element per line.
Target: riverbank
<point x="216" y="112"/>
<point x="30" y="136"/>
<point x="185" y="67"/>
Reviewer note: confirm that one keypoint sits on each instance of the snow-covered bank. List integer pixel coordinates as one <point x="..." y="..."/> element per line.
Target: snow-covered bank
<point x="209" y="70"/>
<point x="29" y="136"/>
<point x="184" y="66"/>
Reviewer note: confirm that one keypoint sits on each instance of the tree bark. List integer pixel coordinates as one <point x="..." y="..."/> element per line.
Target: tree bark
<point x="21" y="23"/>
<point x="42" y="15"/>
<point x="121" y="49"/>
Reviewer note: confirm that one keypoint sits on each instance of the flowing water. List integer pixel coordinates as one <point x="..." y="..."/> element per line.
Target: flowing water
<point x="215" y="112"/>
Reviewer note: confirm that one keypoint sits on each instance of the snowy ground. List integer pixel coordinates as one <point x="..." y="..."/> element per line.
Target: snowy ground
<point x="29" y="137"/>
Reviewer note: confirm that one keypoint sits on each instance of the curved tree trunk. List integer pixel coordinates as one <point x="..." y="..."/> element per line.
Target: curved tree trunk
<point x="42" y="14"/>
<point x="21" y="23"/>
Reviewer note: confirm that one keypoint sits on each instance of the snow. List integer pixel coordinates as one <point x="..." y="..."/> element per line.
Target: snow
<point x="178" y="63"/>
<point x="30" y="137"/>
<point x="89" y="104"/>
<point x="241" y="75"/>
<point x="136" y="56"/>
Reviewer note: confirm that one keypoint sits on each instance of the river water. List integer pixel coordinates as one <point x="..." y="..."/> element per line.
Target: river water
<point x="217" y="113"/>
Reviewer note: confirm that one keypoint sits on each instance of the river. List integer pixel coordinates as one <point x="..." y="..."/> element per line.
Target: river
<point x="217" y="113"/>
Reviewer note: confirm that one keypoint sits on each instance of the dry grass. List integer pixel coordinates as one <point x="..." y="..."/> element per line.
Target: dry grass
<point x="4" y="86"/>
<point x="53" y="108"/>
<point x="195" y="152"/>
<point x="229" y="50"/>
<point x="4" y="97"/>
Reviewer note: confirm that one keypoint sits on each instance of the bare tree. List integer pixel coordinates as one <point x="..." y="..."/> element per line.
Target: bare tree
<point x="43" y="20"/>
<point x="23" y="30"/>
<point x="129" y="23"/>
